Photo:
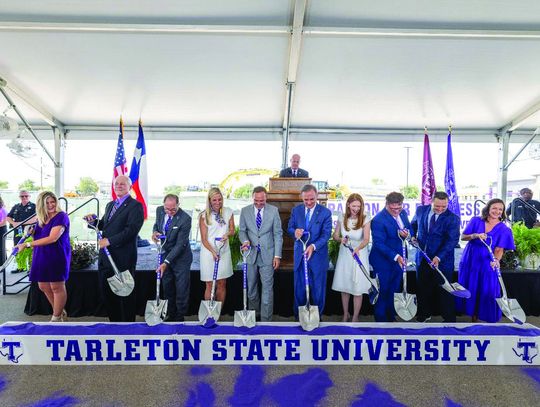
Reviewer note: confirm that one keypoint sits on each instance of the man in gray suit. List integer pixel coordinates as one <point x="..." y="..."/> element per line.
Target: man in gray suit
<point x="175" y="225"/>
<point x="294" y="171"/>
<point x="260" y="228"/>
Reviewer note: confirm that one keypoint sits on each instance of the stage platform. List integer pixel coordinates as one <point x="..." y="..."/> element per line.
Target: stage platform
<point x="268" y="344"/>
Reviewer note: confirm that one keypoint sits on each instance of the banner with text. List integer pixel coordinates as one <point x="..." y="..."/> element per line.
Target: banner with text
<point x="270" y="344"/>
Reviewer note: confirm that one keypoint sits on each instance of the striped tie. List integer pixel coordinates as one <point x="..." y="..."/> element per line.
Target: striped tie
<point x="307" y="218"/>
<point x="258" y="219"/>
<point x="114" y="209"/>
<point x="167" y="225"/>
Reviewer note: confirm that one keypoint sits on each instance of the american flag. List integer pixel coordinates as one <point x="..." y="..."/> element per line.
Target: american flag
<point x="120" y="167"/>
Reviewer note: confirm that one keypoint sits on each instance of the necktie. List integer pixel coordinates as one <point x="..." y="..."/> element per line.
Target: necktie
<point x="168" y="224"/>
<point x="114" y="208"/>
<point x="294" y="173"/>
<point x="307" y="218"/>
<point x="432" y="223"/>
<point x="258" y="219"/>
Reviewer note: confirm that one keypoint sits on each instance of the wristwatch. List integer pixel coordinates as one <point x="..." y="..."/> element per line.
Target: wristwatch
<point x="28" y="245"/>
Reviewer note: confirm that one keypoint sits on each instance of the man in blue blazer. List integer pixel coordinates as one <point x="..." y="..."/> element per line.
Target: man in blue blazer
<point x="386" y="253"/>
<point x="315" y="219"/>
<point x="437" y="233"/>
<point x="175" y="269"/>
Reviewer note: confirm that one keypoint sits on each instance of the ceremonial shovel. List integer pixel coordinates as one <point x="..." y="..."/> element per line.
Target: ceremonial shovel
<point x="455" y="289"/>
<point x="307" y="314"/>
<point x="244" y="317"/>
<point x="373" y="292"/>
<point x="15" y="250"/>
<point x="210" y="310"/>
<point x="509" y="306"/>
<point x="404" y="303"/>
<point x="156" y="310"/>
<point x="122" y="283"/>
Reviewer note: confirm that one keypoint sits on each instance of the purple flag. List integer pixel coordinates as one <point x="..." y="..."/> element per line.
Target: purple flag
<point x="450" y="179"/>
<point x="428" y="177"/>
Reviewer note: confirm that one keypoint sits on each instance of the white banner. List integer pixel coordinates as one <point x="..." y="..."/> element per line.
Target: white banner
<point x="269" y="344"/>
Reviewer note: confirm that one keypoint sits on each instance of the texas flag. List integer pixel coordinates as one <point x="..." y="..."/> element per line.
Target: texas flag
<point x="138" y="173"/>
<point x="120" y="158"/>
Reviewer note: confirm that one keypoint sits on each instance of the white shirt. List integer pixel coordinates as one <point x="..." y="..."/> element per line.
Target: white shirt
<point x="255" y="211"/>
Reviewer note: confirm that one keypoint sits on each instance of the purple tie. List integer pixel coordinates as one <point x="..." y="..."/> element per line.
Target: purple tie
<point x="432" y="223"/>
<point x="114" y="209"/>
<point x="258" y="219"/>
<point x="168" y="224"/>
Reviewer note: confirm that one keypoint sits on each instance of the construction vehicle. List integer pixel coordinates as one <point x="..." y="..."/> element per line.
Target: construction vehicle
<point x="232" y="181"/>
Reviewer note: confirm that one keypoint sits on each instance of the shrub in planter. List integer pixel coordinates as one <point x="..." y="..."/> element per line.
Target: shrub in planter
<point x="527" y="245"/>
<point x="82" y="255"/>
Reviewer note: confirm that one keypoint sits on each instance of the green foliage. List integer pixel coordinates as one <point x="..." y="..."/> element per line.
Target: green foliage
<point x="24" y="257"/>
<point x="377" y="181"/>
<point x="244" y="191"/>
<point x="82" y="255"/>
<point x="4" y="185"/>
<point x="509" y="260"/>
<point x="333" y="251"/>
<point x="174" y="189"/>
<point x="234" y="244"/>
<point x="28" y="185"/>
<point x="410" y="192"/>
<point x="87" y="186"/>
<point x="527" y="240"/>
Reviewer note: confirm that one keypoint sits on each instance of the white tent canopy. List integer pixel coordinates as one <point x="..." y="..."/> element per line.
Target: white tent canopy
<point x="280" y="69"/>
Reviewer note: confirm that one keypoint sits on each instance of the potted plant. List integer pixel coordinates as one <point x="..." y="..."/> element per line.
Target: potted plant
<point x="527" y="243"/>
<point x="82" y="255"/>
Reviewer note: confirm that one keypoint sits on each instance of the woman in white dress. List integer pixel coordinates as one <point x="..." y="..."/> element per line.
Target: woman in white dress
<point x="353" y="228"/>
<point x="216" y="222"/>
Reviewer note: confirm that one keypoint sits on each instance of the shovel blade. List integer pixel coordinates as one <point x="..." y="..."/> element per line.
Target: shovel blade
<point x="154" y="313"/>
<point x="209" y="312"/>
<point x="458" y="290"/>
<point x="244" y="318"/>
<point x="405" y="305"/>
<point x="511" y="308"/>
<point x="122" y="285"/>
<point x="309" y="317"/>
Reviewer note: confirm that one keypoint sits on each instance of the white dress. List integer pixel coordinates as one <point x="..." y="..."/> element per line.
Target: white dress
<point x="216" y="229"/>
<point x="348" y="277"/>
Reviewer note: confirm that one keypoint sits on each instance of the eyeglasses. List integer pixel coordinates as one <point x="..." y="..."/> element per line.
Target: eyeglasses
<point x="24" y="196"/>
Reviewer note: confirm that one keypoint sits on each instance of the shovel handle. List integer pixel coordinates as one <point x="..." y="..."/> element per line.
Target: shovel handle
<point x="497" y="268"/>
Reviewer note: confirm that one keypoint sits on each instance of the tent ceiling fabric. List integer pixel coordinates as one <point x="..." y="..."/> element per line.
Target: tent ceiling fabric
<point x="196" y="79"/>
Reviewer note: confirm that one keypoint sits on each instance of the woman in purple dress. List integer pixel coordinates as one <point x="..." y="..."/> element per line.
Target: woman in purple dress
<point x="476" y="270"/>
<point x="52" y="253"/>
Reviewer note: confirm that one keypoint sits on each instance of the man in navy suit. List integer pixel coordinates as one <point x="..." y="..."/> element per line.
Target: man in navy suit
<point x="294" y="171"/>
<point x="315" y="219"/>
<point x="437" y="233"/>
<point x="175" y="269"/>
<point x="386" y="253"/>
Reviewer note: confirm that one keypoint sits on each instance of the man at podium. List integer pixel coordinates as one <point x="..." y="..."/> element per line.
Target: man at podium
<point x="294" y="171"/>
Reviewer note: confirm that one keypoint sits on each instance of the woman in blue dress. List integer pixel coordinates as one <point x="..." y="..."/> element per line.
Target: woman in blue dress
<point x="476" y="270"/>
<point x="52" y="253"/>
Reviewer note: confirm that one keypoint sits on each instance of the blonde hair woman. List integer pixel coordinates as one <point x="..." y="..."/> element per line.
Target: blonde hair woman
<point x="354" y="228"/>
<point x="216" y="222"/>
<point x="52" y="252"/>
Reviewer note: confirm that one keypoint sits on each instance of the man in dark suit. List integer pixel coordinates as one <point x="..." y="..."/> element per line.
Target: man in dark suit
<point x="294" y="171"/>
<point x="175" y="225"/>
<point x="523" y="213"/>
<point x="386" y="253"/>
<point x="315" y="219"/>
<point x="437" y="233"/>
<point x="260" y="228"/>
<point x="120" y="226"/>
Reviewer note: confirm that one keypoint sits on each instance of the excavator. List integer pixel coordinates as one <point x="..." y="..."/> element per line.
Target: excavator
<point x="231" y="181"/>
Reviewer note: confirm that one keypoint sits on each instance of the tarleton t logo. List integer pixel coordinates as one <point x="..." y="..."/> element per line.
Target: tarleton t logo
<point x="527" y="351"/>
<point x="13" y="351"/>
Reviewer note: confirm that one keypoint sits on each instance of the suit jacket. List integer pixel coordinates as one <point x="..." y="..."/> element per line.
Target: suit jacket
<point x="287" y="173"/>
<point x="442" y="239"/>
<point x="320" y="229"/>
<point x="269" y="236"/>
<point x="122" y="231"/>
<point x="386" y="242"/>
<point x="176" y="250"/>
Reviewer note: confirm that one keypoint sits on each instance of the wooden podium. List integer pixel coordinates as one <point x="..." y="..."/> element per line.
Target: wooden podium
<point x="284" y="193"/>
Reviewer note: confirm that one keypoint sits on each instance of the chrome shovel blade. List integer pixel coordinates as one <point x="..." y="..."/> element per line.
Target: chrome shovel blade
<point x="122" y="285"/>
<point x="309" y="317"/>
